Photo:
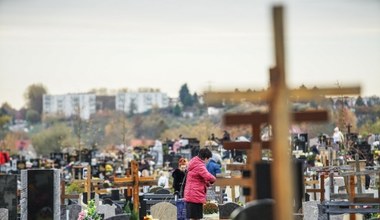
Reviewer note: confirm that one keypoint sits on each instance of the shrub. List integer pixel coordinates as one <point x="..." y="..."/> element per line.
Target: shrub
<point x="210" y="208"/>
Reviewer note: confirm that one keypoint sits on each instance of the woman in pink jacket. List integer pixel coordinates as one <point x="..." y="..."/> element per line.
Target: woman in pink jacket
<point x="197" y="181"/>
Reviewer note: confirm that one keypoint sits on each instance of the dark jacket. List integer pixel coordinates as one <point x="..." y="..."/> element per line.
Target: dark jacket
<point x="213" y="167"/>
<point x="178" y="176"/>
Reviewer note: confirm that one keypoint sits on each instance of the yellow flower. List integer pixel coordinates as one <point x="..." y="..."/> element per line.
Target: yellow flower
<point x="148" y="217"/>
<point x="109" y="168"/>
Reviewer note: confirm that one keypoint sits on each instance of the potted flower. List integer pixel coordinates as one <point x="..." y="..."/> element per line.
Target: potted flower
<point x="90" y="213"/>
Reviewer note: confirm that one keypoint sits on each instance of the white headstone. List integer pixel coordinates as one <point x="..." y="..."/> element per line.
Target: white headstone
<point x="3" y="214"/>
<point x="310" y="210"/>
<point x="107" y="210"/>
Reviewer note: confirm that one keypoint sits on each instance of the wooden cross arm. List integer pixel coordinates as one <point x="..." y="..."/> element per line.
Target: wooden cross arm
<point x="236" y="145"/>
<point x="237" y="166"/>
<point x="233" y="181"/>
<point x="85" y="180"/>
<point x="231" y="145"/>
<point x="301" y="94"/>
<point x="258" y="118"/>
<point x="315" y="190"/>
<point x="128" y="181"/>
<point x="123" y="180"/>
<point x="234" y="97"/>
<point x="311" y="182"/>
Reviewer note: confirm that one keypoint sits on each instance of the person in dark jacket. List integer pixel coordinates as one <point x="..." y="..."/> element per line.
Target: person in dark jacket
<point x="197" y="181"/>
<point x="213" y="165"/>
<point x="178" y="175"/>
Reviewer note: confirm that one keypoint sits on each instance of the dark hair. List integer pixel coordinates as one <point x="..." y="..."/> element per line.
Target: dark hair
<point x="204" y="153"/>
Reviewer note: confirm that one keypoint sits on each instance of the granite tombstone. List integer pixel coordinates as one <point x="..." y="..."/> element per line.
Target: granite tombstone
<point x="225" y="210"/>
<point x="164" y="210"/>
<point x="40" y="194"/>
<point x="8" y="194"/>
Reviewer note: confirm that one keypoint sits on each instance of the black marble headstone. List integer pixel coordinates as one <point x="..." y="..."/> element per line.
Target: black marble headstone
<point x="78" y="173"/>
<point x="263" y="180"/>
<point x="115" y="194"/>
<point x="95" y="171"/>
<point x="40" y="194"/>
<point x="162" y="191"/>
<point x="84" y="197"/>
<point x="225" y="210"/>
<point x="86" y="155"/>
<point x="120" y="217"/>
<point x="8" y="194"/>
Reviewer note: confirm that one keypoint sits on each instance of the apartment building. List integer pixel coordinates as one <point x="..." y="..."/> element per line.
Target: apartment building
<point x="141" y="101"/>
<point x="83" y="104"/>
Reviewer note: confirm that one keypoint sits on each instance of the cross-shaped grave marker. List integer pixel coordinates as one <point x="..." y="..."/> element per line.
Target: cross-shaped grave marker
<point x="87" y="183"/>
<point x="135" y="182"/>
<point x="278" y="96"/>
<point x="256" y="119"/>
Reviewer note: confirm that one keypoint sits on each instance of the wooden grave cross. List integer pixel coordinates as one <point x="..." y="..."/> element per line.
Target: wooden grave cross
<point x="88" y="182"/>
<point x="254" y="148"/>
<point x="278" y="97"/>
<point x="135" y="182"/>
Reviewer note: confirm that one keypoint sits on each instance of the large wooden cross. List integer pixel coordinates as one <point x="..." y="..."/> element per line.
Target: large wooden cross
<point x="135" y="182"/>
<point x="278" y="96"/>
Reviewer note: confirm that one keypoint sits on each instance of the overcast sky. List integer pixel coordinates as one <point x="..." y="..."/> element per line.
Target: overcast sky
<point x="75" y="45"/>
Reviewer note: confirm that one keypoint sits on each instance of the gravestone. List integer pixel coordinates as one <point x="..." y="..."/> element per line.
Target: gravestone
<point x="36" y="163"/>
<point x="40" y="194"/>
<point x="153" y="189"/>
<point x="115" y="194"/>
<point x="120" y="217"/>
<point x="164" y="210"/>
<point x="8" y="194"/>
<point x="74" y="211"/>
<point x="259" y="209"/>
<point x="21" y="165"/>
<point x="162" y="191"/>
<point x="107" y="210"/>
<point x="225" y="210"/>
<point x="95" y="170"/>
<point x="118" y="209"/>
<point x="310" y="210"/>
<point x="4" y="214"/>
<point x="63" y="212"/>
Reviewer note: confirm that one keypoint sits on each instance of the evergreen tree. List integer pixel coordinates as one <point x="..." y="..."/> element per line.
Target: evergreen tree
<point x="359" y="101"/>
<point x="195" y="99"/>
<point x="33" y="96"/>
<point x="184" y="96"/>
<point x="177" y="110"/>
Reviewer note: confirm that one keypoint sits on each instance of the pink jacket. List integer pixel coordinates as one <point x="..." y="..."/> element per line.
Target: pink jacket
<point x="197" y="180"/>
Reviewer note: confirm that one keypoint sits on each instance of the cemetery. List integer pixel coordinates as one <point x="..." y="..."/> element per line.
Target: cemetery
<point x="284" y="176"/>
